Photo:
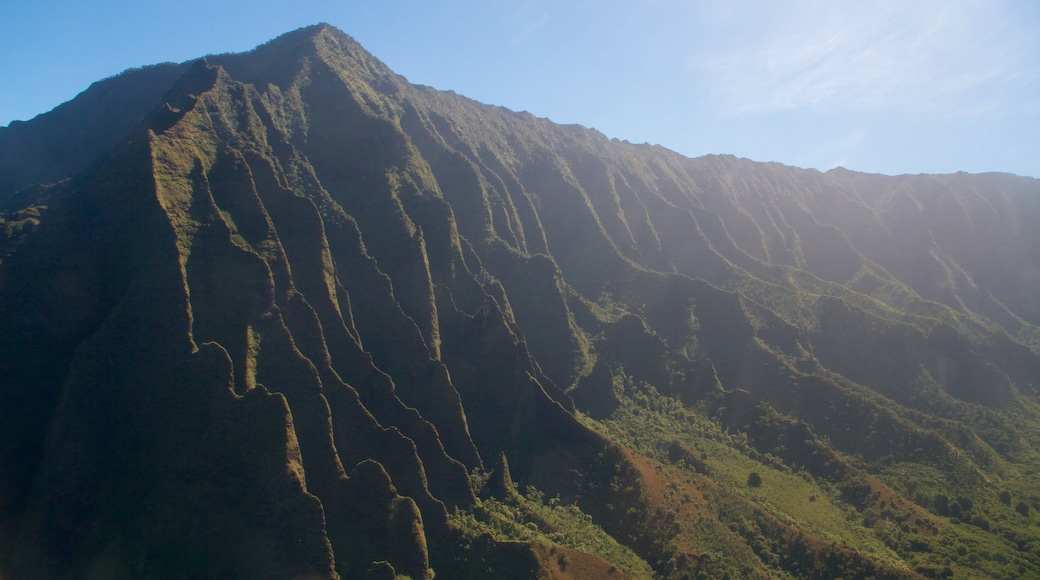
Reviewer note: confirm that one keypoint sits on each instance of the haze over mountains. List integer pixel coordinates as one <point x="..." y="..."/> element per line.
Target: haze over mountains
<point x="282" y="314"/>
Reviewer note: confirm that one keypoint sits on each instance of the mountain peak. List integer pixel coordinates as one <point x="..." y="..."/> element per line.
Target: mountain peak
<point x="312" y="34"/>
<point x="282" y="60"/>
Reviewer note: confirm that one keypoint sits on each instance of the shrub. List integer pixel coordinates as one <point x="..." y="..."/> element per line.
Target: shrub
<point x="755" y="480"/>
<point x="980" y="522"/>
<point x="941" y="504"/>
<point x="563" y="560"/>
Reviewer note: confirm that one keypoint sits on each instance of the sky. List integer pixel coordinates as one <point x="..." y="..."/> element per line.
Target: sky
<point x="929" y="86"/>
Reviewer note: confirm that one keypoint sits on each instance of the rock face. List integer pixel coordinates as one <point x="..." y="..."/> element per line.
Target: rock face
<point x="270" y="313"/>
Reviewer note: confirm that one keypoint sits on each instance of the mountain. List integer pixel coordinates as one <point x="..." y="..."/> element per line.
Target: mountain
<point x="282" y="314"/>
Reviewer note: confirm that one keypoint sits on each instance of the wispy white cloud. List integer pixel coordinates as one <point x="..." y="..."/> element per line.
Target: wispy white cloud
<point x="838" y="152"/>
<point x="528" y="18"/>
<point x="946" y="58"/>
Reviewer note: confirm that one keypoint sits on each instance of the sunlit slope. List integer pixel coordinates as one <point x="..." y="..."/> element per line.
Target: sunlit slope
<point x="307" y="319"/>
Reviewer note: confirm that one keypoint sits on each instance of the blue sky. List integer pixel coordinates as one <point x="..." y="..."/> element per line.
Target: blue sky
<point x="882" y="86"/>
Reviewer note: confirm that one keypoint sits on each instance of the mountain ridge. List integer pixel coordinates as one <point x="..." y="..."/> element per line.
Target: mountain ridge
<point x="381" y="290"/>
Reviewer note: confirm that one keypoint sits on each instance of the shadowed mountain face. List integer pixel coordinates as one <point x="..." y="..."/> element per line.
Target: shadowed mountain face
<point x="284" y="315"/>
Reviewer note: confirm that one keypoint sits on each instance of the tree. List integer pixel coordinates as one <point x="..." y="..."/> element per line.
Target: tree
<point x="563" y="560"/>
<point x="1022" y="508"/>
<point x="942" y="504"/>
<point x="1005" y="497"/>
<point x="754" y="479"/>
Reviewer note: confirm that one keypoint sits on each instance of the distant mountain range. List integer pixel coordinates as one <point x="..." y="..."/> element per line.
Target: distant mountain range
<point x="282" y="314"/>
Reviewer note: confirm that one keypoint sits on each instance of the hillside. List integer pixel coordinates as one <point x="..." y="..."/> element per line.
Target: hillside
<point x="282" y="314"/>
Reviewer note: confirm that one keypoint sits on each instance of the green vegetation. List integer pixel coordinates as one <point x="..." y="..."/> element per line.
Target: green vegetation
<point x="974" y="533"/>
<point x="529" y="517"/>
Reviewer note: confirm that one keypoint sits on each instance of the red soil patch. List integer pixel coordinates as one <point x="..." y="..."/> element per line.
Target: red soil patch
<point x="564" y="564"/>
<point x="928" y="524"/>
<point x="676" y="497"/>
<point x="649" y="477"/>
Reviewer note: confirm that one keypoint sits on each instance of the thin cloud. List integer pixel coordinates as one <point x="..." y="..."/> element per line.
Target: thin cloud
<point x="918" y="57"/>
<point x="532" y="20"/>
